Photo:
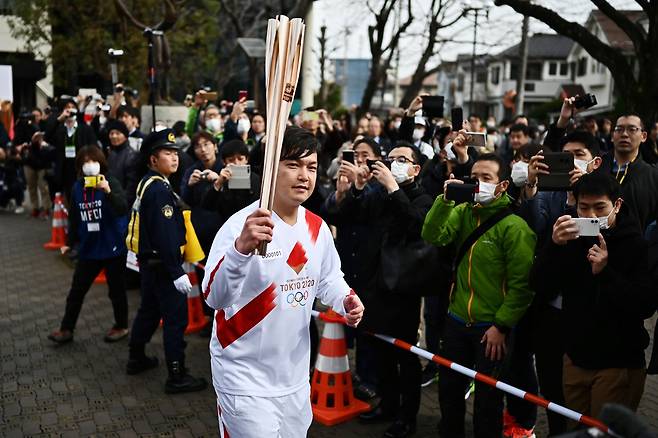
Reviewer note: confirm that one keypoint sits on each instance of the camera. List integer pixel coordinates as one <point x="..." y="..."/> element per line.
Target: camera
<point x="114" y="53"/>
<point x="584" y="102"/>
<point x="461" y="193"/>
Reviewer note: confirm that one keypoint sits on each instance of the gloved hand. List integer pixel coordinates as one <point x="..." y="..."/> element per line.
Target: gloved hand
<point x="183" y="284"/>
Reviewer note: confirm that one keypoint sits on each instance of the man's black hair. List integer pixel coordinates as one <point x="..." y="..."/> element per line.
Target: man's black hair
<point x="416" y="154"/>
<point x="597" y="183"/>
<point x="298" y="143"/>
<point x="632" y="114"/>
<point x="178" y="128"/>
<point x="528" y="151"/>
<point x="131" y="110"/>
<point x="234" y="147"/>
<point x="371" y="143"/>
<point x="585" y="138"/>
<point x="520" y="127"/>
<point x="36" y="108"/>
<point x="503" y="169"/>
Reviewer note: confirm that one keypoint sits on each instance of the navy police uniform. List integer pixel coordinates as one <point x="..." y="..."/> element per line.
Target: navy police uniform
<point x="161" y="236"/>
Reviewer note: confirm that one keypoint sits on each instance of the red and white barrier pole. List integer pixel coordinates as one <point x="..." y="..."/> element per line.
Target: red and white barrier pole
<point x="573" y="415"/>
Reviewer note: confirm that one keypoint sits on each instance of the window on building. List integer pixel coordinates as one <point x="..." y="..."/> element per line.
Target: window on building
<point x="552" y="68"/>
<point x="582" y="66"/>
<point x="529" y="86"/>
<point x="495" y="75"/>
<point x="533" y="71"/>
<point x="564" y="69"/>
<point x="460" y="82"/>
<point x="481" y="77"/>
<point x="514" y="71"/>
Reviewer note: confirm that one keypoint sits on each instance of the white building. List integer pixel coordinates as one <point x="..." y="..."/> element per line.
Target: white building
<point x="31" y="75"/>
<point x="590" y="75"/>
<point x="547" y="70"/>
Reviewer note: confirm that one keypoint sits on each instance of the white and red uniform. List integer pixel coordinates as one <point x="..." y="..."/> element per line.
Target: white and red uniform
<point x="260" y="347"/>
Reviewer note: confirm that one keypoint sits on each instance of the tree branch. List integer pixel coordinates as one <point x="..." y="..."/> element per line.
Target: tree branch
<point x="604" y="53"/>
<point x="634" y="32"/>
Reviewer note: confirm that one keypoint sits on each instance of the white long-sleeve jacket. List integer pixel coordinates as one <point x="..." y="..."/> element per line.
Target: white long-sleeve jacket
<point x="260" y="344"/>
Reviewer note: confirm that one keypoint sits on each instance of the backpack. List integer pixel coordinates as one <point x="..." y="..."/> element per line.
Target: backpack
<point x="132" y="239"/>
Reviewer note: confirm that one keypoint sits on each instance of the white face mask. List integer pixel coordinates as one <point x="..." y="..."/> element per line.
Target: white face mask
<point x="214" y="125"/>
<point x="486" y="193"/>
<point x="604" y="222"/>
<point x="520" y="173"/>
<point x="243" y="126"/>
<point x="102" y="120"/>
<point x="451" y="154"/>
<point x="397" y="124"/>
<point x="582" y="164"/>
<point x="91" y="168"/>
<point x="418" y="134"/>
<point x="400" y="171"/>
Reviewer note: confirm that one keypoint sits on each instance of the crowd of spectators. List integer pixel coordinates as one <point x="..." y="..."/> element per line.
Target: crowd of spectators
<point x="528" y="300"/>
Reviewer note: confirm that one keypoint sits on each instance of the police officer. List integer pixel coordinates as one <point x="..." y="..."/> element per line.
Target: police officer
<point x="164" y="283"/>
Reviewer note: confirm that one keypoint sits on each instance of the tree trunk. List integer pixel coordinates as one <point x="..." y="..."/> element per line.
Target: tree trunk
<point x="371" y="88"/>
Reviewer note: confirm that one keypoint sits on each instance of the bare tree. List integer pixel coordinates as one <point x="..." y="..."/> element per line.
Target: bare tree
<point x="383" y="45"/>
<point x="248" y="18"/>
<point x="441" y="15"/>
<point x="635" y="77"/>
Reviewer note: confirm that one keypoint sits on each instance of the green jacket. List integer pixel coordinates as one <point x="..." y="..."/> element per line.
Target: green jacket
<point x="492" y="278"/>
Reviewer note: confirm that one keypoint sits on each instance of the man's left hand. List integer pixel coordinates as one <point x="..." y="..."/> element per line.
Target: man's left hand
<point x="353" y="310"/>
<point x="598" y="256"/>
<point x="495" y="340"/>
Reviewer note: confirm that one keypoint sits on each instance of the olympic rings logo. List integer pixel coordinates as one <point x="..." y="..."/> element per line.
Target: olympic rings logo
<point x="297" y="298"/>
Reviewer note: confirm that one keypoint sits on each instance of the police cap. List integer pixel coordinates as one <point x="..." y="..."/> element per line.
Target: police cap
<point x="155" y="141"/>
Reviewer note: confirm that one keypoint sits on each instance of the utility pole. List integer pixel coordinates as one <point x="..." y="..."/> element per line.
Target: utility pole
<point x="396" y="90"/>
<point x="471" y="103"/>
<point x="523" y="66"/>
<point x="323" y="60"/>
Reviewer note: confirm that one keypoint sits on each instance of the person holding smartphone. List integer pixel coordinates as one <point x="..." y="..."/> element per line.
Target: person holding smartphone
<point x="607" y="293"/>
<point x="97" y="225"/>
<point x="221" y="198"/>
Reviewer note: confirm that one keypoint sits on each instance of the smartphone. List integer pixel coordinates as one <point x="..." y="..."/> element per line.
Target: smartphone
<point x="432" y="106"/>
<point x="242" y="95"/>
<point x="348" y="156"/>
<point x="587" y="226"/>
<point x="371" y="163"/>
<point x="461" y="193"/>
<point x="240" y="177"/>
<point x="476" y="139"/>
<point x="457" y="117"/>
<point x="559" y="165"/>
<point x="210" y="95"/>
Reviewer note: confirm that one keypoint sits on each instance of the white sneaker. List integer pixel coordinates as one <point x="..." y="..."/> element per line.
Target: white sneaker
<point x="19" y="210"/>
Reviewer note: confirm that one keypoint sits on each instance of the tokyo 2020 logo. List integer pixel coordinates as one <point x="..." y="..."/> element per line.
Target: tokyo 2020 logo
<point x="297" y="298"/>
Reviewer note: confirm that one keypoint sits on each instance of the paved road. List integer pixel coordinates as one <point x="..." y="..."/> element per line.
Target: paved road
<point x="80" y="389"/>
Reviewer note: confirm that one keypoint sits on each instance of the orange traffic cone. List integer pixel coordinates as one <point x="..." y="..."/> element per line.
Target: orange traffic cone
<point x="60" y="222"/>
<point x="101" y="278"/>
<point x="332" y="398"/>
<point x="196" y="319"/>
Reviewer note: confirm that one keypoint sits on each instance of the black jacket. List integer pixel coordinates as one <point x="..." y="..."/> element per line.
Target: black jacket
<point x="394" y="220"/>
<point x="638" y="188"/>
<point x="123" y="164"/>
<point x="603" y="314"/>
<point x="65" y="174"/>
<point x="227" y="202"/>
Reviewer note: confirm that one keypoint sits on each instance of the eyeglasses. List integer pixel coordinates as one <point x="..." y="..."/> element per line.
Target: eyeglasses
<point x="630" y="129"/>
<point x="401" y="160"/>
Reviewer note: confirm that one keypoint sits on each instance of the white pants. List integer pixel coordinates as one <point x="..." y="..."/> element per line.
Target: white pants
<point x="289" y="416"/>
